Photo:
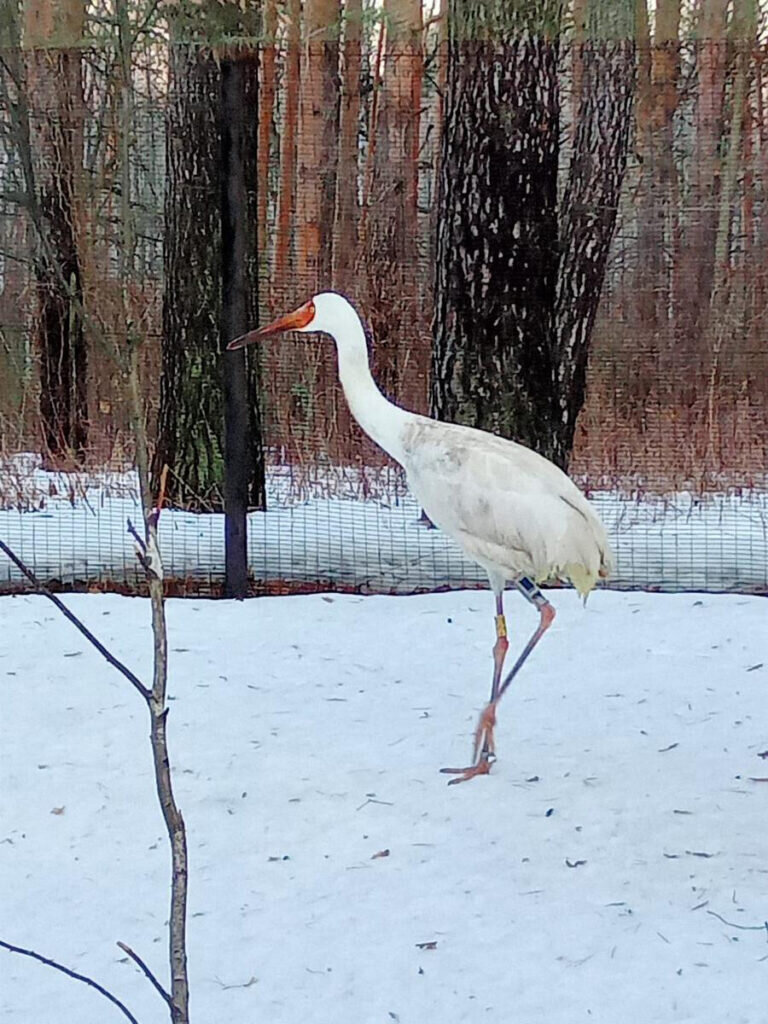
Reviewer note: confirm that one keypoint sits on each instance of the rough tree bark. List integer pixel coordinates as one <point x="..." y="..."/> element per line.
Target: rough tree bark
<point x="744" y="39"/>
<point x="517" y="289"/>
<point x="197" y="246"/>
<point x="440" y="73"/>
<point x="393" y="288"/>
<point x="52" y="35"/>
<point x="189" y="437"/>
<point x="578" y="25"/>
<point x="400" y="115"/>
<point x="286" y="196"/>
<point x="590" y="202"/>
<point x="663" y="227"/>
<point x="646" y="272"/>
<point x="701" y="234"/>
<point x="266" y="114"/>
<point x="317" y="142"/>
<point x="347" y="198"/>
<point x="497" y="225"/>
<point x="727" y="313"/>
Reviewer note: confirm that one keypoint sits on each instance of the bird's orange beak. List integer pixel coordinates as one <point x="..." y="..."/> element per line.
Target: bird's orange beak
<point x="300" y="317"/>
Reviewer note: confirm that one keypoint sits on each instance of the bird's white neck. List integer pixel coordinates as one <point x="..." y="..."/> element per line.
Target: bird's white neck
<point x="380" y="419"/>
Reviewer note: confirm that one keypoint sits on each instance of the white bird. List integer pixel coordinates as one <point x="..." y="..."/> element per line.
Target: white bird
<point x="512" y="511"/>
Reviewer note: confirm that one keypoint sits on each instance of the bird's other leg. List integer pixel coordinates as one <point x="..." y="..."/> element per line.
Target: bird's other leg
<point x="531" y="592"/>
<point x="484" y="734"/>
<point x="484" y="753"/>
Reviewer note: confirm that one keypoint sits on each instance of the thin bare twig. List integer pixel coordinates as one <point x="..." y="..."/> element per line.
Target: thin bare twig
<point x="742" y="927"/>
<point x="42" y="589"/>
<point x="71" y="974"/>
<point x="144" y="23"/>
<point x="141" y="547"/>
<point x="152" y="562"/>
<point x="148" y="973"/>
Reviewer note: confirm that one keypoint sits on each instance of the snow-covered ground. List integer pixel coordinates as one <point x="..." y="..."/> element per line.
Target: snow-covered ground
<point x="612" y="868"/>
<point x="73" y="529"/>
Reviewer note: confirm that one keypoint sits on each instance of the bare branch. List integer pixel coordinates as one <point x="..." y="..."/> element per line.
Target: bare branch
<point x="174" y="822"/>
<point x="71" y="974"/>
<point x="140" y="547"/>
<point x="42" y="589"/>
<point x="145" y="21"/>
<point x="742" y="927"/>
<point x="148" y="973"/>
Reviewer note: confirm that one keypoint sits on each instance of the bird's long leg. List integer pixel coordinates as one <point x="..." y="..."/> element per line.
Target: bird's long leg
<point x="485" y="755"/>
<point x="531" y="592"/>
<point x="484" y="744"/>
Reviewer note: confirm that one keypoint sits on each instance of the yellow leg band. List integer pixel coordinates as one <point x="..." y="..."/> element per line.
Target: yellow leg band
<point x="501" y="627"/>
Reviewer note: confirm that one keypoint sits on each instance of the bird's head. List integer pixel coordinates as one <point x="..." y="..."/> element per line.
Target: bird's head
<point x="324" y="312"/>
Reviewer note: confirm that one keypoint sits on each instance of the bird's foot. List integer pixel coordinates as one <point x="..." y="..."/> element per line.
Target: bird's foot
<point x="484" y="742"/>
<point x="481" y="767"/>
<point x="484" y="749"/>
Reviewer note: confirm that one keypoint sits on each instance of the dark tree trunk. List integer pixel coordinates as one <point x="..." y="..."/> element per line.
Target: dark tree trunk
<point x="239" y="277"/>
<point x="516" y="290"/>
<point x="497" y="227"/>
<point x="191" y="414"/>
<point x="203" y="206"/>
<point x="55" y="100"/>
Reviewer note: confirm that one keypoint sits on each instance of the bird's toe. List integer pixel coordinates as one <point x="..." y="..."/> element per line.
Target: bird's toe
<point x="481" y="767"/>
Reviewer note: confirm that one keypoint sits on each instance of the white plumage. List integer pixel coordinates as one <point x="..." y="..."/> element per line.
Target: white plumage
<point x="513" y="512"/>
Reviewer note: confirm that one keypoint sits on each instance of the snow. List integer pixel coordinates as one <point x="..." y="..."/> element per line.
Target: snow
<point x="580" y="881"/>
<point x="72" y="528"/>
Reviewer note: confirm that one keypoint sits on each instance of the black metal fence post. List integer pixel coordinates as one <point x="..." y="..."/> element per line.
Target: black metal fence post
<point x="234" y="310"/>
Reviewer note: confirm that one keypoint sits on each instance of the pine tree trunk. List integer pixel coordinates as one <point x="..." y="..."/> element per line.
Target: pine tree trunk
<point x="497" y="222"/>
<point x="266" y="114"/>
<point x="195" y="330"/>
<point x="743" y="34"/>
<point x="701" y="234"/>
<point x="286" y="197"/>
<point x="727" y="308"/>
<point x="440" y="73"/>
<point x="52" y="36"/>
<point x="347" y="201"/>
<point x="649" y="228"/>
<point x="665" y="73"/>
<point x="317" y="143"/>
<point x="750" y="190"/>
<point x="579" y="21"/>
<point x="394" y="291"/>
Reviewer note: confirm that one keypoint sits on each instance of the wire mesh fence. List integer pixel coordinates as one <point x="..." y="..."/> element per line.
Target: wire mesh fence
<point x="108" y="233"/>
